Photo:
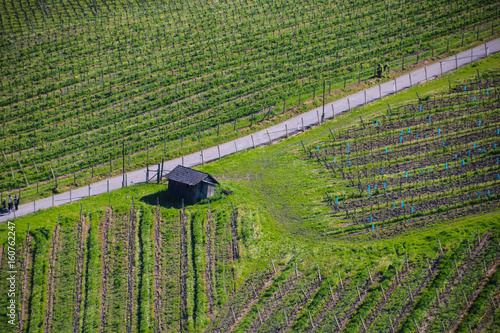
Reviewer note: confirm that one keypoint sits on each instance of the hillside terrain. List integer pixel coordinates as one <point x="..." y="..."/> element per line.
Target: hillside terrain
<point x="385" y="218"/>
<point x="92" y="88"/>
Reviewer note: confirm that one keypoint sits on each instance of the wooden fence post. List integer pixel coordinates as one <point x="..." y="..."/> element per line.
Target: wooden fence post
<point x="337" y="321"/>
<point x="260" y="317"/>
<point x="418" y="328"/>
<point x="392" y="327"/>
<point x="123" y="163"/>
<point x="274" y="268"/>
<point x="383" y="293"/>
<point x="362" y="322"/>
<point x="162" y="163"/>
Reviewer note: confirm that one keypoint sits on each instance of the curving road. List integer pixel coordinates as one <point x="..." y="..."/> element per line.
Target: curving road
<point x="275" y="132"/>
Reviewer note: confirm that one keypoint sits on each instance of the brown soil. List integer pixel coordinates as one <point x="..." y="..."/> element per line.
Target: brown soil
<point x="105" y="269"/>
<point x="482" y="283"/>
<point x="131" y="268"/>
<point x="456" y="279"/>
<point x="288" y="286"/>
<point x="25" y="281"/>
<point x="183" y="272"/>
<point x="243" y="311"/>
<point x="158" y="274"/>
<point x="292" y="311"/>
<point x="489" y="317"/>
<point x="359" y="300"/>
<point x="234" y="233"/>
<point x="1" y="258"/>
<point x="392" y="287"/>
<point x="329" y="305"/>
<point x="406" y="310"/>
<point x="210" y="264"/>
<point x="54" y="250"/>
<point x="83" y="230"/>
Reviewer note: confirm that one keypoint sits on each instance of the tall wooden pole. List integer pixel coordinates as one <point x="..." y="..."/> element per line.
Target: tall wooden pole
<point x="324" y="83"/>
<point x="123" y="164"/>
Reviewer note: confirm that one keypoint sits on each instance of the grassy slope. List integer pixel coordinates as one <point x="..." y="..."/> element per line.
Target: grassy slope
<point x="279" y="196"/>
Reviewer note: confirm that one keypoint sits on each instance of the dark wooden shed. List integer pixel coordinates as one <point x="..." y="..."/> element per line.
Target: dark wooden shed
<point x="190" y="185"/>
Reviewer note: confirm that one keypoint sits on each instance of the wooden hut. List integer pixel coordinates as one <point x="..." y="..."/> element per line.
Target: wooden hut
<point x="190" y="185"/>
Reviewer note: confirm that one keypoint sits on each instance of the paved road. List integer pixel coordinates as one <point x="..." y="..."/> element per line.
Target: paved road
<point x="275" y="132"/>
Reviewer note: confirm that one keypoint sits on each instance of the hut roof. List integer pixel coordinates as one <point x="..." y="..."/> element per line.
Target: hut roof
<point x="189" y="176"/>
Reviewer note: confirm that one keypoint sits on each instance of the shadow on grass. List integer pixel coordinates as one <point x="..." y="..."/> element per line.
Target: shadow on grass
<point x="164" y="199"/>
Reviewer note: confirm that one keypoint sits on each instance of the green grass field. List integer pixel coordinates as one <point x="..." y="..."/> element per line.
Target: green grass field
<point x="118" y="260"/>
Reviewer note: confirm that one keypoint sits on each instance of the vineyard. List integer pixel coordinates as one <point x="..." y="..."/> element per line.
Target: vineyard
<point x="418" y="164"/>
<point x="92" y="89"/>
<point x="141" y="268"/>
<point x="383" y="219"/>
<point x="118" y="270"/>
